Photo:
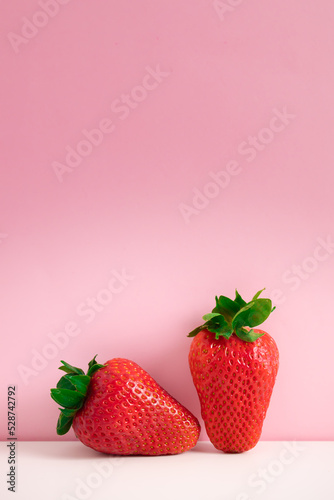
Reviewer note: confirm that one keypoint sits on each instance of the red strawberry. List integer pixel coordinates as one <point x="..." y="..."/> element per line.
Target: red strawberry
<point x="118" y="408"/>
<point x="234" y="370"/>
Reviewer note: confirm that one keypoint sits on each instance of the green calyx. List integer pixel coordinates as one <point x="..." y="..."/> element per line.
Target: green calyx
<point x="71" y="392"/>
<point x="233" y="316"/>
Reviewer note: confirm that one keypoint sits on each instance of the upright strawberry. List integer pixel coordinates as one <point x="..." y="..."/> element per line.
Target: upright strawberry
<point x="118" y="408"/>
<point x="234" y="368"/>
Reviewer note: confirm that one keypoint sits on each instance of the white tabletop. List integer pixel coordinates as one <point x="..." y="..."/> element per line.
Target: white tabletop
<point x="68" y="470"/>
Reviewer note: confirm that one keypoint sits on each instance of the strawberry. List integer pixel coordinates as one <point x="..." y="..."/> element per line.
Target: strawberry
<point x="234" y="368"/>
<point x="117" y="408"/>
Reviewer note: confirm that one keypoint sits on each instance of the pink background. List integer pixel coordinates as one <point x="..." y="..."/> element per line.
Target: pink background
<point x="225" y="76"/>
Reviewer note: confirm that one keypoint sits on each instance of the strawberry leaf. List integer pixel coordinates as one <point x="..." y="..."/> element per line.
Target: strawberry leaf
<point x="68" y="412"/>
<point x="219" y="326"/>
<point x="248" y="335"/>
<point x="94" y="369"/>
<point x="67" y="398"/>
<point x="92" y="362"/>
<point x="71" y="369"/>
<point x="239" y="300"/>
<point x="257" y="294"/>
<point x="93" y="366"/>
<point x="80" y="382"/>
<point x="194" y="332"/>
<point x="226" y="307"/>
<point x="74" y="383"/>
<point x="253" y="314"/>
<point x="65" y="383"/>
<point x="216" y="323"/>
<point x="64" y="424"/>
<point x="206" y="317"/>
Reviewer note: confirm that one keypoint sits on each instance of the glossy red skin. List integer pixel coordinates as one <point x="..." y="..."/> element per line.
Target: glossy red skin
<point x="234" y="381"/>
<point x="127" y="413"/>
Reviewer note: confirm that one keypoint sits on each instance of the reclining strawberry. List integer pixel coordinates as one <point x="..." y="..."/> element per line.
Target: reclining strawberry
<point x="118" y="408"/>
